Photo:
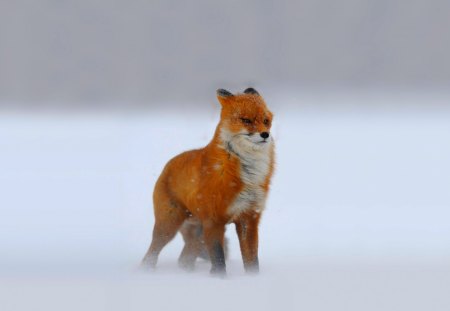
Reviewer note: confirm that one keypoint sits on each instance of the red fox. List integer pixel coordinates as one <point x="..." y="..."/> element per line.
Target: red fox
<point x="200" y="191"/>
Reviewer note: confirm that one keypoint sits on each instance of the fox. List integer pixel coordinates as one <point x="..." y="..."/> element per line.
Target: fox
<point x="201" y="191"/>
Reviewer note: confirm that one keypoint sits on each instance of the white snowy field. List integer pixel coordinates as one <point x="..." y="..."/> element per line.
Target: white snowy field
<point x="358" y="217"/>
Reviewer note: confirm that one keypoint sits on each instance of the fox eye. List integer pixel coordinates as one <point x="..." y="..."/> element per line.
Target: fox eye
<point x="246" y="121"/>
<point x="266" y="121"/>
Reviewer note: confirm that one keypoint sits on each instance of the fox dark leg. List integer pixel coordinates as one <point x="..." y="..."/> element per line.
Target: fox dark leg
<point x="247" y="231"/>
<point x="214" y="237"/>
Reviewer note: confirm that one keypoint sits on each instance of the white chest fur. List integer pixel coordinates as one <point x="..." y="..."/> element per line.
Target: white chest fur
<point x="252" y="196"/>
<point x="255" y="161"/>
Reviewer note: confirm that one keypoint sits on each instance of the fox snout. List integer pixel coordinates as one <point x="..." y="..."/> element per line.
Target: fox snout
<point x="259" y="137"/>
<point x="264" y="135"/>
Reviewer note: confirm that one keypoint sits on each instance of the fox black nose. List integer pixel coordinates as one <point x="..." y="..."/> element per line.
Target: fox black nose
<point x="264" y="135"/>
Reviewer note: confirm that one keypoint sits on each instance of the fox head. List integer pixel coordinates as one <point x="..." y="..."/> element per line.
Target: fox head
<point x="245" y="121"/>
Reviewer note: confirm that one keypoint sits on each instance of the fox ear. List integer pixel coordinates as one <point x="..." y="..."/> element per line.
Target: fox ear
<point x="251" y="90"/>
<point x="223" y="96"/>
<point x="223" y="93"/>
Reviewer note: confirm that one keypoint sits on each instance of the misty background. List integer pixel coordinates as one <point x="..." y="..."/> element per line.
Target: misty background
<point x="144" y="52"/>
<point x="96" y="96"/>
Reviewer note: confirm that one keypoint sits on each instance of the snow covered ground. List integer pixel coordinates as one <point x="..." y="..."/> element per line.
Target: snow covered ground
<point x="358" y="217"/>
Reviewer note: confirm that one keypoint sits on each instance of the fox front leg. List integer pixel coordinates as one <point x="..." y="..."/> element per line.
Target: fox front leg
<point x="247" y="231"/>
<point x="214" y="239"/>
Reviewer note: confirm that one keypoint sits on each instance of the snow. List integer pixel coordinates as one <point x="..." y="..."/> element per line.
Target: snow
<point x="357" y="217"/>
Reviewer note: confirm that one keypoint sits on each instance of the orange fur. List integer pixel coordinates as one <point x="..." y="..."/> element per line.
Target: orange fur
<point x="198" y="187"/>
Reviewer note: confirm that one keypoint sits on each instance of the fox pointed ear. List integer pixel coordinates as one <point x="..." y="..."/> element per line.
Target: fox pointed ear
<point x="251" y="90"/>
<point x="223" y="96"/>
<point x="223" y="93"/>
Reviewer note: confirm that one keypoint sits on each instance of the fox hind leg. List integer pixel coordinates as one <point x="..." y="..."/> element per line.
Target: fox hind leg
<point x="169" y="216"/>
<point x="192" y="233"/>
